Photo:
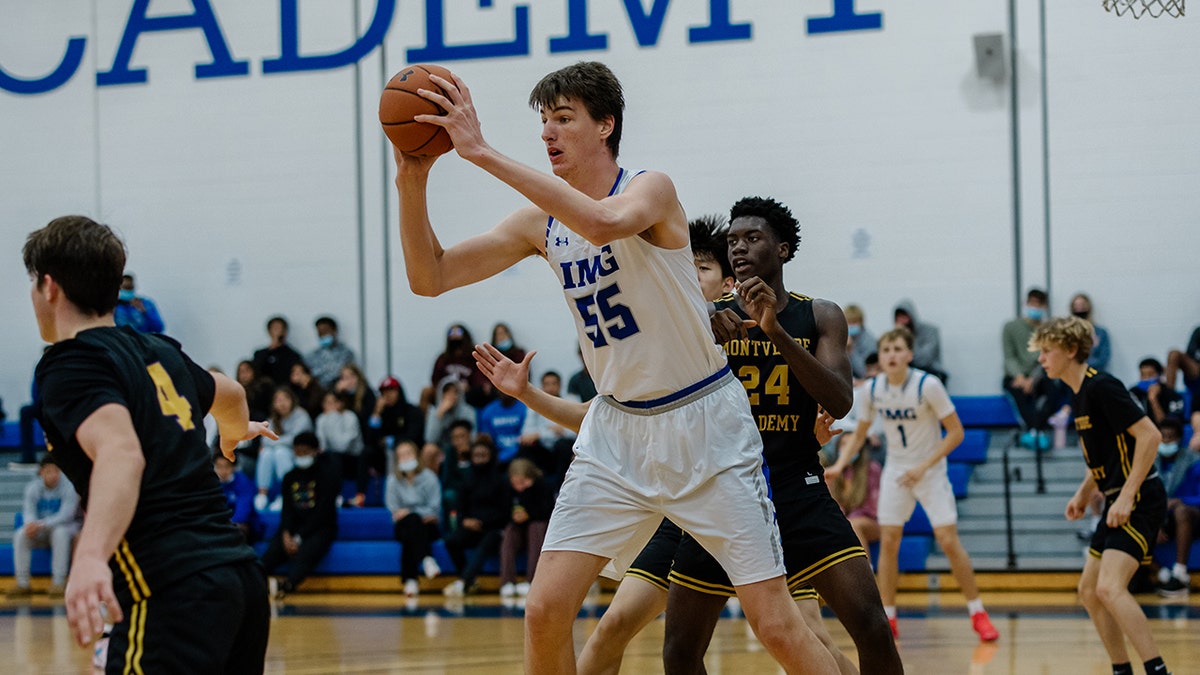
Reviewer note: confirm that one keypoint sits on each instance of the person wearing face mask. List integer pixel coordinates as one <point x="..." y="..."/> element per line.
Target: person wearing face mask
<point x="1081" y="306"/>
<point x="136" y="311"/>
<point x="1180" y="471"/>
<point x="413" y="495"/>
<point x="483" y="511"/>
<point x="861" y="343"/>
<point x="239" y="491"/>
<point x="330" y="356"/>
<point x="456" y="361"/>
<point x="308" y="521"/>
<point x="1024" y="380"/>
<point x="1158" y="400"/>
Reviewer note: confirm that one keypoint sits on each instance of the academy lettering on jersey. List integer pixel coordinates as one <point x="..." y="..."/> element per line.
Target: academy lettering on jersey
<point x="779" y="422"/>
<point x="753" y="348"/>
<point x="586" y="272"/>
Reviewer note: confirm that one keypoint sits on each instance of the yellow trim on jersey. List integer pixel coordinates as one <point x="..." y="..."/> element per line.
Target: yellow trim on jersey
<point x="1093" y="552"/>
<point x="701" y="586"/>
<point x="1123" y="450"/>
<point x="1137" y="538"/>
<point x="649" y="578"/>
<point x="1091" y="372"/>
<point x="133" y="573"/>
<point x="805" y="593"/>
<point x="825" y="563"/>
<point x="137" y="639"/>
<point x="799" y="296"/>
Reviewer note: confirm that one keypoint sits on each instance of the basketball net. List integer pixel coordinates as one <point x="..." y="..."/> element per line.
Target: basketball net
<point x="1138" y="8"/>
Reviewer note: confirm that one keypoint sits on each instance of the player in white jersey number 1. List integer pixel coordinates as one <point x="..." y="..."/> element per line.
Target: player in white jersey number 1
<point x="670" y="433"/>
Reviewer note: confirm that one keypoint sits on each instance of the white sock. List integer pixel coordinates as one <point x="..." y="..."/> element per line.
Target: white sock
<point x="890" y="610"/>
<point x="1180" y="571"/>
<point x="974" y="606"/>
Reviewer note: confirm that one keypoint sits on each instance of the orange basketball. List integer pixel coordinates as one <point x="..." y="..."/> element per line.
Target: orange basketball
<point x="400" y="102"/>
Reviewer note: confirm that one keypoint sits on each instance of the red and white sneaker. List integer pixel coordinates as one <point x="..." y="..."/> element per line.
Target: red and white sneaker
<point x="983" y="625"/>
<point x="895" y="628"/>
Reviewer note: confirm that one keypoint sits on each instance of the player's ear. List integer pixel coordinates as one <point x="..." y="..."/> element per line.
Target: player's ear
<point x="727" y="284"/>
<point x="606" y="127"/>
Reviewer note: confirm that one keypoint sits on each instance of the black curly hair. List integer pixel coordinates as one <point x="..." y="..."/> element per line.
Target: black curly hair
<point x="778" y="217"/>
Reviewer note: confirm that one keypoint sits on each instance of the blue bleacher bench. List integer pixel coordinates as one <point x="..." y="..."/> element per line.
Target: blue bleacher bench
<point x="985" y="411"/>
<point x="914" y="550"/>
<point x="974" y="447"/>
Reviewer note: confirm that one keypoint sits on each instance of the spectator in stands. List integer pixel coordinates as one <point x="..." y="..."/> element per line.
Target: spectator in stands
<point x="239" y="493"/>
<point x="1187" y="361"/>
<point x="1158" y="400"/>
<point x="136" y="311"/>
<point x="259" y="389"/>
<point x="455" y="471"/>
<point x="532" y="502"/>
<point x="50" y="513"/>
<point x="549" y="445"/>
<point x="861" y="342"/>
<point x="451" y="405"/>
<point x="1026" y="383"/>
<point x="308" y="521"/>
<point x="393" y="417"/>
<point x="309" y="392"/>
<point x="502" y="339"/>
<point x="456" y="361"/>
<point x="502" y="420"/>
<point x="353" y="383"/>
<point x="276" y="359"/>
<point x="483" y="512"/>
<point x="856" y="490"/>
<point x="581" y="385"/>
<point x="341" y="438"/>
<point x="414" y="497"/>
<point x="1081" y="306"/>
<point x="1182" y="481"/>
<point x="927" y="340"/>
<point x="327" y="360"/>
<point x="276" y="456"/>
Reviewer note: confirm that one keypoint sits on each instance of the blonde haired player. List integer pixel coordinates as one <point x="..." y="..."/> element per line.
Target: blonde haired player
<point x="914" y="406"/>
<point x="1119" y="443"/>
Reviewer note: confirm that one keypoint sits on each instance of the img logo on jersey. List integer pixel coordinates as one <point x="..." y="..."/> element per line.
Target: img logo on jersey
<point x="585" y="272"/>
<point x="900" y="413"/>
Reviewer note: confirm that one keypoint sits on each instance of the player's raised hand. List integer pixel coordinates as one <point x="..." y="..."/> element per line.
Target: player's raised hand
<point x="759" y="300"/>
<point x="411" y="165"/>
<point x="823" y="429"/>
<point x="460" y="119"/>
<point x="253" y="430"/>
<point x="727" y="325"/>
<point x="88" y="589"/>
<point x="508" y="376"/>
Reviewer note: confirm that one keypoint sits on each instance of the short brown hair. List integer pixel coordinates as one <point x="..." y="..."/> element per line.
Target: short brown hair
<point x="900" y="333"/>
<point x="85" y="258"/>
<point x="1068" y="332"/>
<point x="592" y="84"/>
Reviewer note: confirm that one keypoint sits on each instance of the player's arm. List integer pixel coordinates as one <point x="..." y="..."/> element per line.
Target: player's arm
<point x="954" y="436"/>
<point x="649" y="205"/>
<point x="230" y="410"/>
<point x="107" y="437"/>
<point x="513" y="379"/>
<point x="1077" y="505"/>
<point x="1145" y="448"/>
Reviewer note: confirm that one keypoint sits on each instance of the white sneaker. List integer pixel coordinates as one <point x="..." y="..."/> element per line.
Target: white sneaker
<point x="260" y="502"/>
<point x="1164" y="575"/>
<point x="411" y="588"/>
<point x="430" y="566"/>
<point x="522" y="589"/>
<point x="454" y="589"/>
<point x="276" y="505"/>
<point x="508" y="590"/>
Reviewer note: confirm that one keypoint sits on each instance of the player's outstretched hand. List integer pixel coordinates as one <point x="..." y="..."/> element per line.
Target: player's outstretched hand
<point x="507" y="375"/>
<point x="253" y="430"/>
<point x="727" y="325"/>
<point x="823" y="429"/>
<point x="759" y="300"/>
<point x="88" y="589"/>
<point x="411" y="164"/>
<point x="460" y="119"/>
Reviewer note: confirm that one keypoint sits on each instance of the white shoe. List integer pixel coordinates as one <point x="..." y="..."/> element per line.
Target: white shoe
<point x="276" y="505"/>
<point x="260" y="502"/>
<point x="522" y="589"/>
<point x="454" y="589"/>
<point x="411" y="588"/>
<point x="430" y="566"/>
<point x="508" y="590"/>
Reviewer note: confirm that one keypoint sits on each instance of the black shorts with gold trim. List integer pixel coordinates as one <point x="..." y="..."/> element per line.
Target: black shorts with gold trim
<point x="1137" y="536"/>
<point x="814" y="533"/>
<point x="653" y="564"/>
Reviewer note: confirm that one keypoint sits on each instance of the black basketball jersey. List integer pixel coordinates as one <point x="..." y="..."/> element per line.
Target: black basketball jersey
<point x="1104" y="410"/>
<point x="182" y="521"/>
<point x="784" y="411"/>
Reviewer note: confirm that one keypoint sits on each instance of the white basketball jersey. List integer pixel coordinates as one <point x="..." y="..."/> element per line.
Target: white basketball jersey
<point x="642" y="322"/>
<point x="911" y="414"/>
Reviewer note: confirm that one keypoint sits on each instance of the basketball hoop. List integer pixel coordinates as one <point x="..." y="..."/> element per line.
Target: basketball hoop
<point x="1138" y="8"/>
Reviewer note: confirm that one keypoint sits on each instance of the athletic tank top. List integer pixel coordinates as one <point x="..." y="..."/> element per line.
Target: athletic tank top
<point x="642" y="322"/>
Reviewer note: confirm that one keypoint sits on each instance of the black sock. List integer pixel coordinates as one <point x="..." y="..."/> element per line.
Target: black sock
<point x="1155" y="666"/>
<point x="1123" y="668"/>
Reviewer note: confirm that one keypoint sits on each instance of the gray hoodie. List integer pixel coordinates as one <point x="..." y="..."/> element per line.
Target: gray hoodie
<point x="927" y="340"/>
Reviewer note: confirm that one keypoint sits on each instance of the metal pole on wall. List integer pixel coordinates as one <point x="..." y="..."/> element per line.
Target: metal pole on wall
<point x="1045" y="145"/>
<point x="385" y="167"/>
<point x="360" y="216"/>
<point x="1015" y="133"/>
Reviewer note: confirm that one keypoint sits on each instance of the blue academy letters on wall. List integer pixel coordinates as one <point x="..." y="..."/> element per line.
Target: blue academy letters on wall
<point x="647" y="29"/>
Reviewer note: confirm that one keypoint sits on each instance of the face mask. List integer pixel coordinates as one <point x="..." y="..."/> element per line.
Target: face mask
<point x="326" y="341"/>
<point x="1168" y="449"/>
<point x="305" y="461"/>
<point x="125" y="296"/>
<point x="408" y="465"/>
<point x="504" y="345"/>
<point x="1081" y="314"/>
<point x="1035" y="313"/>
<point x="1144" y="385"/>
<point x="854" y="329"/>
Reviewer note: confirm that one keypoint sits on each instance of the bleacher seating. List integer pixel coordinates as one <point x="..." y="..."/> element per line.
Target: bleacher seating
<point x="10" y="435"/>
<point x="985" y="411"/>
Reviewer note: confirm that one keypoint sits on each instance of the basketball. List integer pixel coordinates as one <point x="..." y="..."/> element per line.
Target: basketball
<point x="400" y="102"/>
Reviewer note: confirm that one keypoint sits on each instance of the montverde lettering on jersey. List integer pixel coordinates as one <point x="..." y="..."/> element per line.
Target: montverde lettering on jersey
<point x="511" y="31"/>
<point x="754" y="348"/>
<point x="1083" y="423"/>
